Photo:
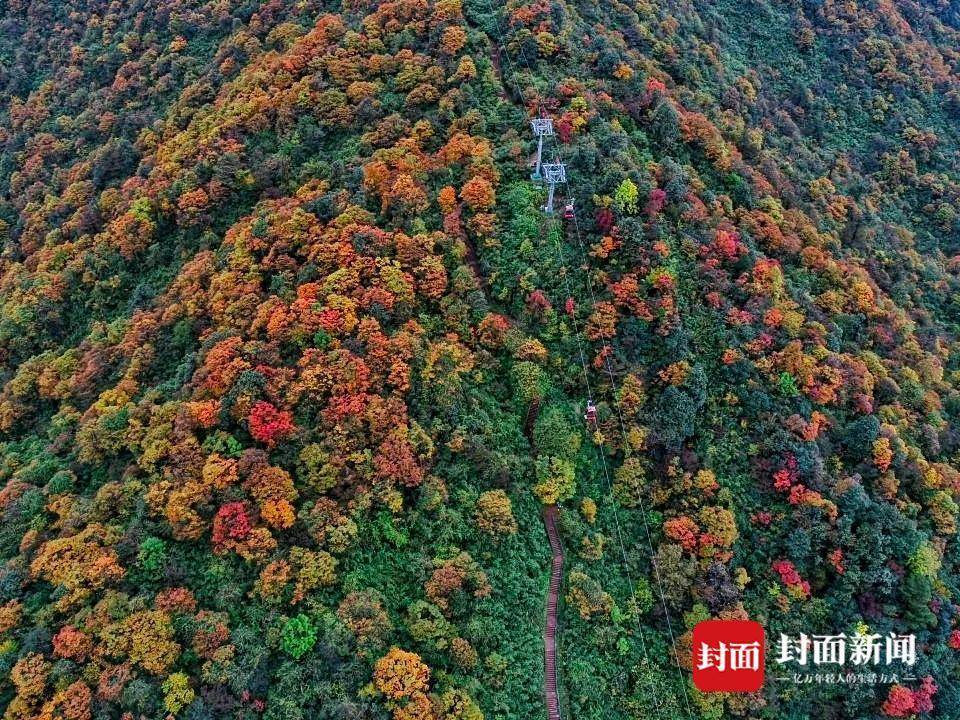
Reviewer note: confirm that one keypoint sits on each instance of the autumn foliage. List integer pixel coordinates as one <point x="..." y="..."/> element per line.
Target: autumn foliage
<point x="292" y="356"/>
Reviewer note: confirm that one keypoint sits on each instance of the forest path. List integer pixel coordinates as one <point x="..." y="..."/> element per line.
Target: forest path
<point x="553" y="599"/>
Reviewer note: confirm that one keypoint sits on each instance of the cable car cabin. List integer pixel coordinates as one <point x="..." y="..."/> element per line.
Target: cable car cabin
<point x="568" y="211"/>
<point x="591" y="415"/>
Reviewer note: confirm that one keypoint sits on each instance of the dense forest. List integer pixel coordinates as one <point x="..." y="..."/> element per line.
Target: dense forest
<point x="292" y="358"/>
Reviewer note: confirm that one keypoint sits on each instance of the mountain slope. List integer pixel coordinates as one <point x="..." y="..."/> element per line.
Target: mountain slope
<point x="292" y="355"/>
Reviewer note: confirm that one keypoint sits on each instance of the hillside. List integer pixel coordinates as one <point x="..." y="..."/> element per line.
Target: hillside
<point x="293" y="361"/>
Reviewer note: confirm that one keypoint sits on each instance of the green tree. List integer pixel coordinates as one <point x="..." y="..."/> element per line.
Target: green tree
<point x="152" y="555"/>
<point x="554" y="435"/>
<point x="298" y="637"/>
<point x="529" y="381"/>
<point x="626" y="197"/>
<point x="555" y="480"/>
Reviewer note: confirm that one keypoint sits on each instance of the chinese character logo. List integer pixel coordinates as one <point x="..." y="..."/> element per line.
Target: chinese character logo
<point x="728" y="656"/>
<point x="859" y="649"/>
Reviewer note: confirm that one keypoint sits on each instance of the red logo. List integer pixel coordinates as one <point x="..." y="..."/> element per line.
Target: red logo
<point x="728" y="656"/>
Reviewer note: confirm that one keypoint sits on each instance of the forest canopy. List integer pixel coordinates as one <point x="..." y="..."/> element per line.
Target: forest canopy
<point x="295" y="362"/>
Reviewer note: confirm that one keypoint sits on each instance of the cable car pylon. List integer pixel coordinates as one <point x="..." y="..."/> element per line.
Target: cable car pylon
<point x="554" y="174"/>
<point x="542" y="127"/>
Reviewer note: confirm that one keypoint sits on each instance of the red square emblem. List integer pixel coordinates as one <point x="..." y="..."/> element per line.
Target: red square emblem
<point x="728" y="656"/>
